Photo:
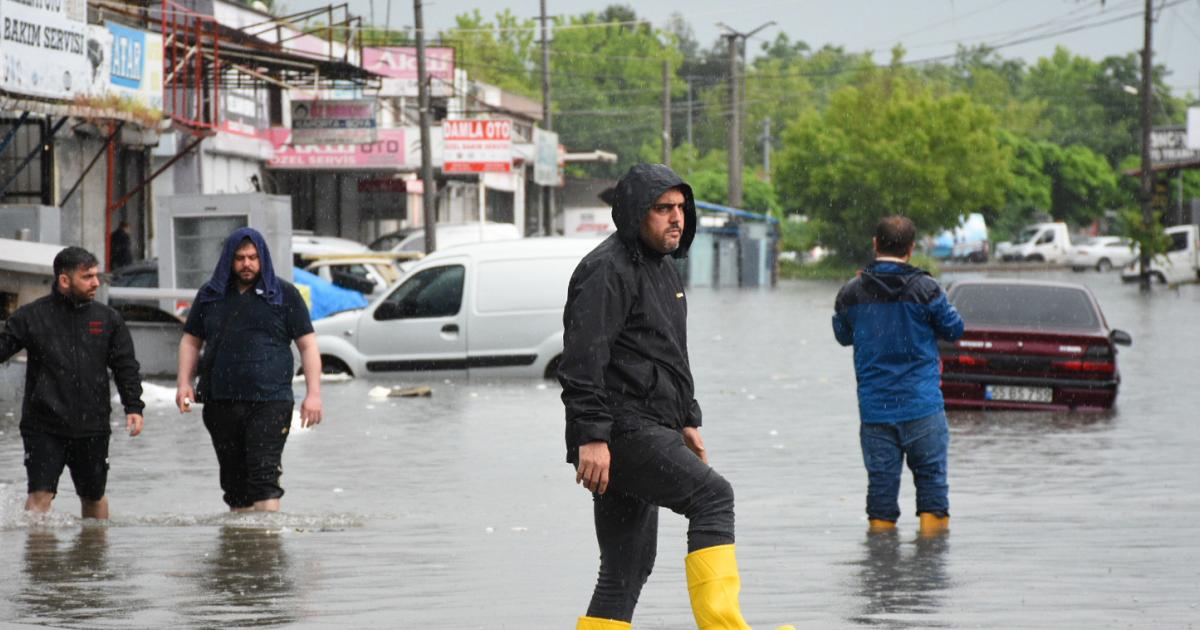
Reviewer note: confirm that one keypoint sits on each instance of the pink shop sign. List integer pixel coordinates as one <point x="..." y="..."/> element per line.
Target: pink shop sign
<point x="386" y="153"/>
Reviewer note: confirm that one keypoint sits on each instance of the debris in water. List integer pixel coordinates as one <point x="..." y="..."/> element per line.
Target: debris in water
<point x="418" y="391"/>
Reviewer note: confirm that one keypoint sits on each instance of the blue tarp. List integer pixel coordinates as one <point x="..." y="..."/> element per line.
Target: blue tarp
<point x="327" y="299"/>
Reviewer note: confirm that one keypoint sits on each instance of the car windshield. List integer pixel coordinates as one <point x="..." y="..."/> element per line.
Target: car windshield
<point x="1024" y="306"/>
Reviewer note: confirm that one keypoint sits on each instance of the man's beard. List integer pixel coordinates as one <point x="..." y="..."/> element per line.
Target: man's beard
<point x="247" y="283"/>
<point x="80" y="298"/>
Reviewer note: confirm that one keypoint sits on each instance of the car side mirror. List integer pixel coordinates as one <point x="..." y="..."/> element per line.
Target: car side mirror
<point x="1120" y="337"/>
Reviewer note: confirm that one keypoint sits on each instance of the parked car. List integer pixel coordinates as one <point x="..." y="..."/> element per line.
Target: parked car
<point x="966" y="243"/>
<point x="1030" y="345"/>
<point x="1040" y="242"/>
<point x="1181" y="263"/>
<point x="454" y="234"/>
<point x="489" y="309"/>
<point x="306" y="243"/>
<point x="370" y="274"/>
<point x="1102" y="253"/>
<point x="390" y="240"/>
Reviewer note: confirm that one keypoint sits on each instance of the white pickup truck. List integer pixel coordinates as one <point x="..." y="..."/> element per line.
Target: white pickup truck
<point x="1181" y="262"/>
<point x="1040" y="242"/>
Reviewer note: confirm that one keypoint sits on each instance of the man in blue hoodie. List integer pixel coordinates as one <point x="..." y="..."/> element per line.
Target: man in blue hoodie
<point x="893" y="314"/>
<point x="246" y="318"/>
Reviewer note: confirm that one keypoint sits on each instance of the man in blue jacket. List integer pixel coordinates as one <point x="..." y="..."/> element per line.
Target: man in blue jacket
<point x="893" y="314"/>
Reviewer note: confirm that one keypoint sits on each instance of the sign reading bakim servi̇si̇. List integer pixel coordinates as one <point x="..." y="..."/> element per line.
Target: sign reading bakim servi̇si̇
<point x="44" y="48"/>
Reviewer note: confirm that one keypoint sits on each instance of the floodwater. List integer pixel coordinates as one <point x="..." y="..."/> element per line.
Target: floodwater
<point x="457" y="511"/>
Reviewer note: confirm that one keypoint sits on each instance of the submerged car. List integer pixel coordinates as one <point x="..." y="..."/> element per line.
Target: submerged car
<point x="1030" y="345"/>
<point x="1102" y="253"/>
<point x="489" y="309"/>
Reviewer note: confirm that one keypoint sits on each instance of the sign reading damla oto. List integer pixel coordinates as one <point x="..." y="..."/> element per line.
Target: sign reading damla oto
<point x="477" y="146"/>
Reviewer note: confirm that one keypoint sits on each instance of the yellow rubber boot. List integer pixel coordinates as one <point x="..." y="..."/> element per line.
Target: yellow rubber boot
<point x="880" y="525"/>
<point x="934" y="525"/>
<point x="713" y="585"/>
<point x="595" y="623"/>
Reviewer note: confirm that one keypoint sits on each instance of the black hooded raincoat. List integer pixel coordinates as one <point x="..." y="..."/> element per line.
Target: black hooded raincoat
<point x="625" y="361"/>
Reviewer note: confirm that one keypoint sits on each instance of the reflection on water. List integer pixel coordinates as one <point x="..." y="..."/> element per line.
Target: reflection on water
<point x="901" y="584"/>
<point x="66" y="584"/>
<point x="246" y="580"/>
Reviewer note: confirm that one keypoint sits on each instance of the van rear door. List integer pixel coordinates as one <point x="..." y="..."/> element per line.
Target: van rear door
<point x="421" y="325"/>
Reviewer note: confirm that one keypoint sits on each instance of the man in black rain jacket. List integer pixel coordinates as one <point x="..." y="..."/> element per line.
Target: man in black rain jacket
<point x="72" y="342"/>
<point x="632" y="418"/>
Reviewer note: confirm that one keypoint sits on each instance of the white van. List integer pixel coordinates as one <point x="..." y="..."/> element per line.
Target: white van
<point x="1040" y="242"/>
<point x="488" y="309"/>
<point x="455" y="234"/>
<point x="1181" y="262"/>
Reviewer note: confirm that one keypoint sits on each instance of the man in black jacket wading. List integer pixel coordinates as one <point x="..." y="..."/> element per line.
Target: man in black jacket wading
<point x="633" y="423"/>
<point x="72" y="342"/>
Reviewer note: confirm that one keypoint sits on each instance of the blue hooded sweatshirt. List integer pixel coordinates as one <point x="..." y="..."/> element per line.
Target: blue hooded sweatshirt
<point x="269" y="286"/>
<point x="893" y="314"/>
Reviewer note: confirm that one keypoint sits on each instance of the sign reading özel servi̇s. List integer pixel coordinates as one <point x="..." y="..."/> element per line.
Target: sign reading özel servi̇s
<point x="386" y="153"/>
<point x="333" y="122"/>
<point x="398" y="67"/>
<point x="477" y="146"/>
<point x="44" y="48"/>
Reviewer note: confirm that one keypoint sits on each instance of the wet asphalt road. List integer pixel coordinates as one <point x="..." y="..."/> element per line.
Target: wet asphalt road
<point x="457" y="511"/>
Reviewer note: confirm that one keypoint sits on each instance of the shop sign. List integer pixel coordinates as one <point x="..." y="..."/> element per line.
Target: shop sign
<point x="135" y="65"/>
<point x="333" y="122"/>
<point x="477" y="146"/>
<point x="387" y="152"/>
<point x="398" y="67"/>
<point x="546" y="168"/>
<point x="382" y="185"/>
<point x="44" y="49"/>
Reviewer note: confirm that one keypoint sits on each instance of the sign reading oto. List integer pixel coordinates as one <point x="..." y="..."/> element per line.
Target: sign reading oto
<point x="477" y="146"/>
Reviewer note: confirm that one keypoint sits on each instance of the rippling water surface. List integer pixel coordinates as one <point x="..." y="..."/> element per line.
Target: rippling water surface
<point x="457" y="511"/>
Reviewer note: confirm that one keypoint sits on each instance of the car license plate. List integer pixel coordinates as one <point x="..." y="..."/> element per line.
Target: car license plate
<point x="1019" y="394"/>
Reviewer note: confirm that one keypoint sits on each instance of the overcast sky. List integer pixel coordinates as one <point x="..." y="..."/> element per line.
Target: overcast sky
<point x="926" y="28"/>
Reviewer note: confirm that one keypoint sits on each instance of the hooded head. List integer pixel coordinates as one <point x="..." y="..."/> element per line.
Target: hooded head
<point x="268" y="286"/>
<point x="637" y="191"/>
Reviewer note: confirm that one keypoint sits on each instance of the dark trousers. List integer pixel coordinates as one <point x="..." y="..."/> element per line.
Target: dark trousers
<point x="249" y="438"/>
<point x="652" y="467"/>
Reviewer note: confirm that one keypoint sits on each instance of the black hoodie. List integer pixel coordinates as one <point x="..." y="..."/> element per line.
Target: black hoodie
<point x="625" y="361"/>
<point x="71" y="347"/>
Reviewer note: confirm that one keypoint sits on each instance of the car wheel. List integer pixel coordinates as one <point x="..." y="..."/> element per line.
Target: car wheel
<point x="1035" y="258"/>
<point x="552" y="369"/>
<point x="334" y="365"/>
<point x="1162" y="278"/>
<point x="1104" y="265"/>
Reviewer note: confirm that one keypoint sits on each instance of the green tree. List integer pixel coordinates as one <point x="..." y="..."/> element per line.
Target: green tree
<point x="890" y="146"/>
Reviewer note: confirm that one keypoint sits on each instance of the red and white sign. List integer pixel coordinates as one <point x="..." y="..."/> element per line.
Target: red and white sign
<point x="477" y="146"/>
<point x="386" y="153"/>
<point x="398" y="66"/>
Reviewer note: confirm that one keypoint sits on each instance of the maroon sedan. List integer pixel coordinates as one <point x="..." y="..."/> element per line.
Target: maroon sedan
<point x="1030" y="345"/>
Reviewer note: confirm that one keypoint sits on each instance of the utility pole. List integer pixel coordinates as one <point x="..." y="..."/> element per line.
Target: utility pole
<point x="766" y="148"/>
<point x="547" y="121"/>
<point x="689" y="113"/>
<point x="734" y="150"/>
<point x="735" y="109"/>
<point x="427" y="191"/>
<point x="1147" y="192"/>
<point x="666" y="113"/>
